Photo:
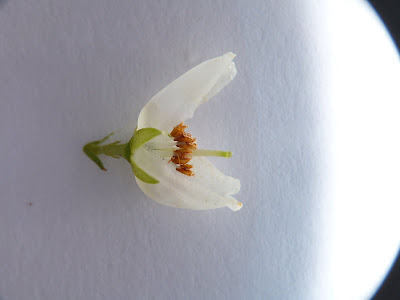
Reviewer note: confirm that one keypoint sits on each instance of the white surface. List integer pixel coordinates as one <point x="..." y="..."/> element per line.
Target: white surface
<point x="301" y="110"/>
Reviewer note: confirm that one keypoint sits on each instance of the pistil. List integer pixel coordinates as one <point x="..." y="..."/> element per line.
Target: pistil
<point x="215" y="153"/>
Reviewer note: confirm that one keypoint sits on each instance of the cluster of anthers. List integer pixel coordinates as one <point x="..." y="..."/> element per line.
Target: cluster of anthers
<point x="186" y="144"/>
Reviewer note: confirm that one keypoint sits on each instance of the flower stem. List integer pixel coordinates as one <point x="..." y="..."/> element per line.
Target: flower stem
<point x="115" y="149"/>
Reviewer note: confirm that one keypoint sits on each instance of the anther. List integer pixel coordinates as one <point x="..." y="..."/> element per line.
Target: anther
<point x="186" y="144"/>
<point x="186" y="149"/>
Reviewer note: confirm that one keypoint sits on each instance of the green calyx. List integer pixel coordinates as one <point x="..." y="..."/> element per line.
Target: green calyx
<point x="139" y="138"/>
<point x="117" y="150"/>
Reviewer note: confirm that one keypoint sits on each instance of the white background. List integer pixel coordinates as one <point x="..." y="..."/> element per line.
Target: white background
<point x="311" y="117"/>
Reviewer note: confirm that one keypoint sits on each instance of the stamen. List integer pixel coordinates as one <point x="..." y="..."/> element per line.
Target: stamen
<point x="186" y="149"/>
<point x="185" y="169"/>
<point x="179" y="160"/>
<point x="186" y="144"/>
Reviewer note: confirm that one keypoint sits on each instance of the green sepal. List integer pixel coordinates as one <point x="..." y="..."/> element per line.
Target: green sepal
<point x="87" y="149"/>
<point x="90" y="150"/>
<point x="142" y="175"/>
<point x="139" y="138"/>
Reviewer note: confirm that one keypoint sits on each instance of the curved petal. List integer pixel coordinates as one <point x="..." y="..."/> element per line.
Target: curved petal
<point x="178" y="101"/>
<point x="208" y="189"/>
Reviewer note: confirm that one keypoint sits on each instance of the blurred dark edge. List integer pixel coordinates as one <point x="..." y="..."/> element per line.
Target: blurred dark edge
<point x="389" y="11"/>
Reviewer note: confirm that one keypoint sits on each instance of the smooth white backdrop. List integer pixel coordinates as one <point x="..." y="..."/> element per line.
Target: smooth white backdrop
<point x="310" y="118"/>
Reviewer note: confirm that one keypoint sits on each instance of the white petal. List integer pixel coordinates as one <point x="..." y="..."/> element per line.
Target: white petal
<point x="208" y="189"/>
<point x="178" y="101"/>
<point x="226" y="77"/>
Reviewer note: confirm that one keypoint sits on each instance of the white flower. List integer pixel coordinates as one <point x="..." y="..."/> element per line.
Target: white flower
<point x="152" y="149"/>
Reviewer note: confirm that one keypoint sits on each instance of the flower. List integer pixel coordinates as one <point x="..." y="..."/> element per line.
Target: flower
<point x="167" y="165"/>
<point x="176" y="103"/>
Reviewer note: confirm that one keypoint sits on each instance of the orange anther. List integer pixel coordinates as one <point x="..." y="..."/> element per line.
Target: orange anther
<point x="186" y="144"/>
